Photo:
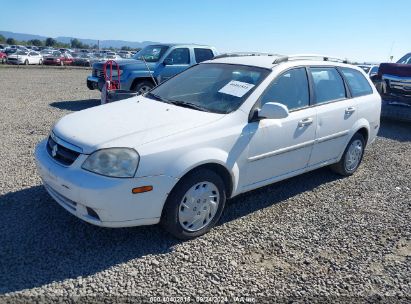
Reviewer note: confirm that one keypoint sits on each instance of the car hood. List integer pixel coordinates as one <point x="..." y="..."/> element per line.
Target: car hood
<point x="128" y="123"/>
<point x="396" y="69"/>
<point x="130" y="64"/>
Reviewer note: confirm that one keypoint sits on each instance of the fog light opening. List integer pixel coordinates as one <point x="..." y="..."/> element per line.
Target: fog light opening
<point x="92" y="213"/>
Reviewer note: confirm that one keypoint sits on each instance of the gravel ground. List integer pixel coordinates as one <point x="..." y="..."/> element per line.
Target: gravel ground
<point x="315" y="236"/>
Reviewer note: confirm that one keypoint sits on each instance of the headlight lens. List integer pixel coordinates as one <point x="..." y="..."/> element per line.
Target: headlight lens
<point x="114" y="162"/>
<point x="115" y="73"/>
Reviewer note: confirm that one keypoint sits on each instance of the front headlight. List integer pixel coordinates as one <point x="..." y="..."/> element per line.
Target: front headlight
<point x="113" y="162"/>
<point x="115" y="73"/>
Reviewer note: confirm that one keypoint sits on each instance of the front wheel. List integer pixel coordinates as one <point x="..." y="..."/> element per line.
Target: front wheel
<point x="142" y="87"/>
<point x="195" y="205"/>
<point x="40" y="62"/>
<point x="352" y="157"/>
<point x="26" y="62"/>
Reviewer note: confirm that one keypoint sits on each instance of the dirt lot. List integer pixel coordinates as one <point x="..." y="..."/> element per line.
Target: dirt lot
<point x="313" y="236"/>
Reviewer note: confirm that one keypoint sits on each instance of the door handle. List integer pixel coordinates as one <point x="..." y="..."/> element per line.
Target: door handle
<point x="305" y="122"/>
<point x="349" y="110"/>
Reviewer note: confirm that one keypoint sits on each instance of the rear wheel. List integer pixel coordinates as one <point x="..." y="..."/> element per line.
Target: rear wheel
<point x="61" y="62"/>
<point x="352" y="157"/>
<point x="26" y="62"/>
<point x="195" y="204"/>
<point x="40" y="61"/>
<point x="142" y="87"/>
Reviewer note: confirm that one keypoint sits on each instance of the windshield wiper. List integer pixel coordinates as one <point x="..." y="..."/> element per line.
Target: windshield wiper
<point x="188" y="105"/>
<point x="156" y="97"/>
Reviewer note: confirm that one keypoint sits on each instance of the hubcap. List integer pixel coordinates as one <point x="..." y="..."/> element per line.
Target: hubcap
<point x="198" y="206"/>
<point x="143" y="89"/>
<point x="353" y="156"/>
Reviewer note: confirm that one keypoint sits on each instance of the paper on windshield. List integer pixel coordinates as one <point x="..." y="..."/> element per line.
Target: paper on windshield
<point x="236" y="88"/>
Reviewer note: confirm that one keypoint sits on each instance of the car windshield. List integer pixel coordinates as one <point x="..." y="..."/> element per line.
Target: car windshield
<point x="21" y="53"/>
<point x="151" y="53"/>
<point x="56" y="54"/>
<point x="211" y="87"/>
<point x="406" y="59"/>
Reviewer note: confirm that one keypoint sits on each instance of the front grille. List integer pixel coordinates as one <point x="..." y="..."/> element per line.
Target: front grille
<point x="60" y="153"/>
<point x="98" y="73"/>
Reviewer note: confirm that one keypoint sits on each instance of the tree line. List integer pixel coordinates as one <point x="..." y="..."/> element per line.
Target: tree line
<point x="51" y="42"/>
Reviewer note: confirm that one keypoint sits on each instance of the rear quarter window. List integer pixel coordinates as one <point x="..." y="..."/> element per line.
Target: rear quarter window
<point x="203" y="54"/>
<point x="357" y="82"/>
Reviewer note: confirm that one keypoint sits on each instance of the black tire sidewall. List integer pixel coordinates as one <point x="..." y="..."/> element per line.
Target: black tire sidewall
<point x="357" y="136"/>
<point x="141" y="84"/>
<point x="169" y="219"/>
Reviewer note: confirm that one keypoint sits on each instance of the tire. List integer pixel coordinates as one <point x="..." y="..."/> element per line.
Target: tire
<point x="61" y="63"/>
<point x="26" y="62"/>
<point x="142" y="87"/>
<point x="187" y="198"/>
<point x="345" y="167"/>
<point x="40" y="61"/>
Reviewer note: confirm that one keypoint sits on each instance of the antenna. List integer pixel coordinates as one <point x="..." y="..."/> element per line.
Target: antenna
<point x="390" y="54"/>
<point x="148" y="69"/>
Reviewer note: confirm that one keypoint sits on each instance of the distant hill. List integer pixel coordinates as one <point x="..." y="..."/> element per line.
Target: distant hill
<point x="103" y="43"/>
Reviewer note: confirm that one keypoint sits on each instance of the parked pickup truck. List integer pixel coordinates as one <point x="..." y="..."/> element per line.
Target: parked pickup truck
<point x="393" y="82"/>
<point x="162" y="61"/>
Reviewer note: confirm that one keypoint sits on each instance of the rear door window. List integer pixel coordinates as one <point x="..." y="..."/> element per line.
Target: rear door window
<point x="203" y="54"/>
<point x="328" y="84"/>
<point x="357" y="83"/>
<point x="180" y="56"/>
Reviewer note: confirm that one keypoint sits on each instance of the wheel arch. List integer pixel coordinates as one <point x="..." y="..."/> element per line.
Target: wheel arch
<point x="211" y="158"/>
<point x="218" y="168"/>
<point x="361" y="126"/>
<point x="137" y="80"/>
<point x="364" y="132"/>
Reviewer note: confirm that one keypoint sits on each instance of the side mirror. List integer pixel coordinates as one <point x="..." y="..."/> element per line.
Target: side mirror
<point x="168" y="61"/>
<point x="273" y="110"/>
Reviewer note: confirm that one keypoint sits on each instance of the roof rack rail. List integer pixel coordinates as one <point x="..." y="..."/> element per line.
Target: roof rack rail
<point x="309" y="57"/>
<point x="243" y="54"/>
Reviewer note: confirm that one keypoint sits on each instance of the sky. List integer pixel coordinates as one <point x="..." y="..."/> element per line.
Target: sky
<point x="361" y="30"/>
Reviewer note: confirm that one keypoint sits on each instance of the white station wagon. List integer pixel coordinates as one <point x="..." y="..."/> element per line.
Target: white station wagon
<point x="221" y="128"/>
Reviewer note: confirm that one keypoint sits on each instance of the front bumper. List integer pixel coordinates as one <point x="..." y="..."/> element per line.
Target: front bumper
<point x="110" y="199"/>
<point x="51" y="62"/>
<point x="94" y="83"/>
<point x="15" y="61"/>
<point x="398" y="84"/>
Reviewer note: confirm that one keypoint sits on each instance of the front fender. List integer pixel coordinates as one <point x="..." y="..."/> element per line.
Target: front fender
<point x="193" y="159"/>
